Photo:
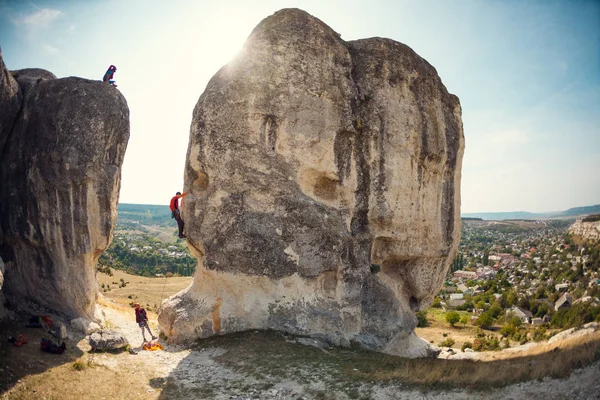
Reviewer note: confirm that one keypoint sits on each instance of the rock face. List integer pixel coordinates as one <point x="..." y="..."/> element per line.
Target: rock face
<point x="63" y="143"/>
<point x="10" y="102"/>
<point x="324" y="181"/>
<point x="586" y="230"/>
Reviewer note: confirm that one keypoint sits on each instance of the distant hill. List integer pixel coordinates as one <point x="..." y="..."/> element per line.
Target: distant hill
<point x="583" y="210"/>
<point x="499" y="216"/>
<point x="144" y="214"/>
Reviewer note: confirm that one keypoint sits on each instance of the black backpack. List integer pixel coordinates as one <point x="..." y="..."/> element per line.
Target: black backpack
<point x="49" y="347"/>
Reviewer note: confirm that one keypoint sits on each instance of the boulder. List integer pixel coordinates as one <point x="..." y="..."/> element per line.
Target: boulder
<point x="84" y="326"/>
<point x="107" y="340"/>
<point x="60" y="171"/>
<point x="324" y="181"/>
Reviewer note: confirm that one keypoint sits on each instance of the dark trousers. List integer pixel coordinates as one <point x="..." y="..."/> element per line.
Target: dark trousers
<point x="177" y="216"/>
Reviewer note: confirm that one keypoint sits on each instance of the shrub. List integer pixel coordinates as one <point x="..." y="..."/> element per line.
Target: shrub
<point x="592" y="218"/>
<point x="507" y="330"/>
<point x="489" y="342"/>
<point x="422" y="319"/>
<point x="437" y="303"/>
<point x="104" y="269"/>
<point x="79" y="365"/>
<point x="539" y="334"/>
<point x="447" y="343"/>
<point x="575" y="316"/>
<point x="466" y="345"/>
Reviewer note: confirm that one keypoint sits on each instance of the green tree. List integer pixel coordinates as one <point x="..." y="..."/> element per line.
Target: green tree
<point x="485" y="320"/>
<point x="452" y="318"/>
<point x="464" y="320"/>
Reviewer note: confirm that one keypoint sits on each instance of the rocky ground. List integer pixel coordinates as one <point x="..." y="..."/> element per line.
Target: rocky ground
<point x="250" y="365"/>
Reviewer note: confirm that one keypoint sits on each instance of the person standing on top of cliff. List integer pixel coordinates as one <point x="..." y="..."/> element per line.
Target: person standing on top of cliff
<point x="176" y="213"/>
<point x="142" y="319"/>
<point x="109" y="75"/>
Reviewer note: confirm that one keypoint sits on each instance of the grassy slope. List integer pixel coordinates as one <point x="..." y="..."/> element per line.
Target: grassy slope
<point x="146" y="291"/>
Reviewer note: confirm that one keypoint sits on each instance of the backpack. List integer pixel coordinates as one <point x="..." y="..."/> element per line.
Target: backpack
<point x="49" y="347"/>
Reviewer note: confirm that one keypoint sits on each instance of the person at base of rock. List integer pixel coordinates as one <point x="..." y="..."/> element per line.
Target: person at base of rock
<point x="176" y="213"/>
<point x="142" y="319"/>
<point x="109" y="75"/>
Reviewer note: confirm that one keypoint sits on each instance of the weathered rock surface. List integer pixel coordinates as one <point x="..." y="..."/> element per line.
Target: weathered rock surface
<point x="586" y="230"/>
<point x="60" y="171"/>
<point x="84" y="325"/>
<point x="10" y="102"/>
<point x="310" y="159"/>
<point x="572" y="333"/>
<point x="107" y="340"/>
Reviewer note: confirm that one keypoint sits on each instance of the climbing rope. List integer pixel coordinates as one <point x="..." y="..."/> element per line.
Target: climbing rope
<point x="163" y="292"/>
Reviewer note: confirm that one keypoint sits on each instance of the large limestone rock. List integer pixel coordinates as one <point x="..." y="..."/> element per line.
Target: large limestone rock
<point x="324" y="182"/>
<point x="60" y="171"/>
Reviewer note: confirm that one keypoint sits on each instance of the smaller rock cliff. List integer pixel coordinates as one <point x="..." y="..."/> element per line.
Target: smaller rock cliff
<point x="62" y="143"/>
<point x="586" y="229"/>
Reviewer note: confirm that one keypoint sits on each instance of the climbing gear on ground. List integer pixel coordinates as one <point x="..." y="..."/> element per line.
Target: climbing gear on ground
<point x="19" y="341"/>
<point x="49" y="347"/>
<point x="153" y="346"/>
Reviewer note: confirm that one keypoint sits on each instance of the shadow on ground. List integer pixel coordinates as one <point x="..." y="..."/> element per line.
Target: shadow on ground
<point x="29" y="359"/>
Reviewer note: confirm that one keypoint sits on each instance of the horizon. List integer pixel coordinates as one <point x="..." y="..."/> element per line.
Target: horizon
<point x="530" y="101"/>
<point x="462" y="213"/>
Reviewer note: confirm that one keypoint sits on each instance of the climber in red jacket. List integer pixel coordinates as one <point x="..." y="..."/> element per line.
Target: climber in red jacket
<point x="176" y="213"/>
<point x="142" y="319"/>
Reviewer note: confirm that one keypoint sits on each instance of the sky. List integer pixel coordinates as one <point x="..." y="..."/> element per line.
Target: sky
<point x="527" y="74"/>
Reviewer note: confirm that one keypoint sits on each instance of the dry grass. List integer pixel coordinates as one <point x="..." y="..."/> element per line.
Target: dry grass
<point x="438" y="327"/>
<point x="146" y="291"/>
<point x="556" y="361"/>
<point x="67" y="383"/>
<point x="269" y="354"/>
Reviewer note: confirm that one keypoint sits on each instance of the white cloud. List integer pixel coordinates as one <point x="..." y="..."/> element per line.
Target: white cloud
<point x="39" y="18"/>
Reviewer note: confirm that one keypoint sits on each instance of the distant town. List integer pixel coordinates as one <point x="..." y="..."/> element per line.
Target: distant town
<point x="516" y="276"/>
